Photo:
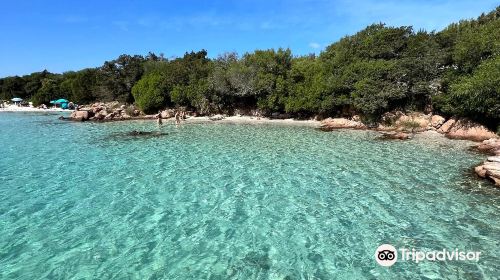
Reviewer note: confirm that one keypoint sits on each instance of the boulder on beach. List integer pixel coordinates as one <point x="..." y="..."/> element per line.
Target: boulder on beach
<point x="80" y="115"/>
<point x="437" y="121"/>
<point x="494" y="158"/>
<point x="490" y="146"/>
<point x="490" y="169"/>
<point x="216" y="118"/>
<point x="480" y="171"/>
<point x="99" y="116"/>
<point x="445" y="127"/>
<point x="167" y="114"/>
<point x="414" y="121"/>
<point x="337" y="123"/>
<point x="390" y="118"/>
<point x="109" y="116"/>
<point x="469" y="130"/>
<point x="422" y="120"/>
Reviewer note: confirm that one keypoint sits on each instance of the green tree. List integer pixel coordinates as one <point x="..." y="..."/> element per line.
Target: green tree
<point x="49" y="91"/>
<point x="13" y="87"/>
<point x="269" y="69"/>
<point x="307" y="87"/>
<point x="83" y="86"/>
<point x="117" y="77"/>
<point x="477" y="95"/>
<point x="149" y="93"/>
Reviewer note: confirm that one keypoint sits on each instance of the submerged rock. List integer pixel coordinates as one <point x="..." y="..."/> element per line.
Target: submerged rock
<point x="337" y="123"/>
<point x="135" y="134"/>
<point x="146" y="133"/>
<point x="396" y="135"/>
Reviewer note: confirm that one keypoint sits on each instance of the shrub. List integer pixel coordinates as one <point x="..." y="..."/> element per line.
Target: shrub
<point x="410" y="125"/>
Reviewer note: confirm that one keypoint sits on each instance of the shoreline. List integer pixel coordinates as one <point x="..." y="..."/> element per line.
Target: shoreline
<point x="243" y="119"/>
<point x="32" y="109"/>
<point x="482" y="169"/>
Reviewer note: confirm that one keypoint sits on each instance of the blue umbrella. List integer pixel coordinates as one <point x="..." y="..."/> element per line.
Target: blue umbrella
<point x="59" y="101"/>
<point x="16" y="99"/>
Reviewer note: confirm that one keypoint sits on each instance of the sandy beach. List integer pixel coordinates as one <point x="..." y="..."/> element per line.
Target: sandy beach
<point x="14" y="108"/>
<point x="250" y="120"/>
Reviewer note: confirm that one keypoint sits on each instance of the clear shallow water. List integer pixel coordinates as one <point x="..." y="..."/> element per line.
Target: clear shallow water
<point x="220" y="201"/>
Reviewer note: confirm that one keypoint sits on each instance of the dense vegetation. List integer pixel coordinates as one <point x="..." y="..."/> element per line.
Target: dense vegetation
<point x="454" y="72"/>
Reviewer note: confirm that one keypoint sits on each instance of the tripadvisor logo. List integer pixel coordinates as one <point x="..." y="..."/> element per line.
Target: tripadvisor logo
<point x="387" y="255"/>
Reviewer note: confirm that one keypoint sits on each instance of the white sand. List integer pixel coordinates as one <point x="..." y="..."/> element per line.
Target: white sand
<point x="252" y="120"/>
<point x="15" y="108"/>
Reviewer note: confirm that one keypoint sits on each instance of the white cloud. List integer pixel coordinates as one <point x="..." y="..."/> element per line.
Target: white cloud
<point x="314" y="45"/>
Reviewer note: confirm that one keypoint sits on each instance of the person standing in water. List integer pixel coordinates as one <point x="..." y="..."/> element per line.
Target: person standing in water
<point x="177" y="118"/>
<point x="159" y="121"/>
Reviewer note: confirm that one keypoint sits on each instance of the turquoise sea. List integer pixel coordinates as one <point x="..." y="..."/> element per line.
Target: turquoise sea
<point x="235" y="201"/>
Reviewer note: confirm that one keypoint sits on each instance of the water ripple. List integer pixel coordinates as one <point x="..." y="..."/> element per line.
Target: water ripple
<point x="220" y="201"/>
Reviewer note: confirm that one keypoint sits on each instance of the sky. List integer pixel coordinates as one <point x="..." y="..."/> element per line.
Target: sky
<point x="63" y="35"/>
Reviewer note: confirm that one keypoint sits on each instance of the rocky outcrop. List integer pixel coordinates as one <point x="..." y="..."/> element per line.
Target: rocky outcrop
<point x="445" y="127"/>
<point x="105" y="112"/>
<point x="437" y="121"/>
<point x="490" y="146"/>
<point x="418" y="122"/>
<point x="167" y="114"/>
<point x="490" y="169"/>
<point x="80" y="115"/>
<point x="466" y="129"/>
<point x="390" y="118"/>
<point x="216" y="118"/>
<point x="399" y="121"/>
<point x="337" y="123"/>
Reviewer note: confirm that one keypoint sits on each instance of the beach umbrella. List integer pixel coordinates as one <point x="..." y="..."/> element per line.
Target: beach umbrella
<point x="16" y="99"/>
<point x="62" y="100"/>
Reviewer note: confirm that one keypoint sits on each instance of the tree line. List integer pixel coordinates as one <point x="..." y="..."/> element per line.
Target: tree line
<point x="455" y="71"/>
